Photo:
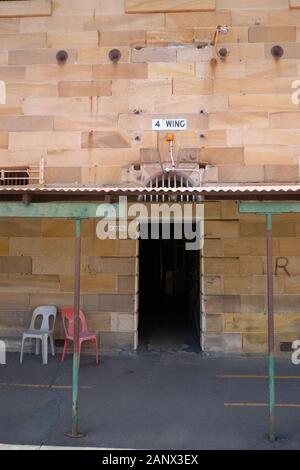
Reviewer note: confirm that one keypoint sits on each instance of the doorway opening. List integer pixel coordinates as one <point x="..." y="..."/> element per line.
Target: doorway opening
<point x="169" y="295"/>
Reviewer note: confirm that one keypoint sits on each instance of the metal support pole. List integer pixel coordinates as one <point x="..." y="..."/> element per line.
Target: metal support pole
<point x="272" y="436"/>
<point x="75" y="433"/>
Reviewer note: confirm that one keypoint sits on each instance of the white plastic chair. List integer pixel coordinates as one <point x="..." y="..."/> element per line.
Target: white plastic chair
<point x="43" y="333"/>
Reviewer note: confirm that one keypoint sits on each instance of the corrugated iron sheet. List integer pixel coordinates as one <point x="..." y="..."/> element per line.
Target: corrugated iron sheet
<point x="201" y="190"/>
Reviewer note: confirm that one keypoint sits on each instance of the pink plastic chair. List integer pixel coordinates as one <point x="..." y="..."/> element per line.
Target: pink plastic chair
<point x="84" y="334"/>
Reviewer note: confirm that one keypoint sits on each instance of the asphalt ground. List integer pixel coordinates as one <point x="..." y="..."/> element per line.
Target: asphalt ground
<point x="150" y="401"/>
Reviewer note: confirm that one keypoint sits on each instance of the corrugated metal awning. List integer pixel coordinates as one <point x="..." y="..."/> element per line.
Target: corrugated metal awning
<point x="213" y="189"/>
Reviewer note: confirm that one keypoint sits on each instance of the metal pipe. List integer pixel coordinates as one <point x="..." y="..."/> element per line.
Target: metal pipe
<point x="170" y="139"/>
<point x="76" y="331"/>
<point x="171" y="148"/>
<point x="220" y="29"/>
<point x="272" y="435"/>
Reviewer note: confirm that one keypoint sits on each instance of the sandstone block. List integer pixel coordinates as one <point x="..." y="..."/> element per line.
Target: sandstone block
<point x="230" y="342"/>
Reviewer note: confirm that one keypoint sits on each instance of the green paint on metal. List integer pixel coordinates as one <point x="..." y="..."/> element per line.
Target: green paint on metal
<point x="75" y="395"/>
<point x="269" y="208"/>
<point x="61" y="210"/>
<point x="269" y="221"/>
<point x="76" y="329"/>
<point x="78" y="228"/>
<point x="272" y="436"/>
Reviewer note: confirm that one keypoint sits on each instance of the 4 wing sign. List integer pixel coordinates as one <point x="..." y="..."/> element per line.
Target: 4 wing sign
<point x="169" y="125"/>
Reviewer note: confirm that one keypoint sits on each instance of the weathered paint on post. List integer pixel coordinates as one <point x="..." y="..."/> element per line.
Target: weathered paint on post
<point x="77" y="212"/>
<point x="263" y="208"/>
<point x="270" y="289"/>
<point x="76" y="330"/>
<point x="60" y="210"/>
<point x="268" y="209"/>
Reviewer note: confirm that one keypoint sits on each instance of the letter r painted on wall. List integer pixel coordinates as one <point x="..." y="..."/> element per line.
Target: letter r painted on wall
<point x="2" y="92"/>
<point x="2" y="353"/>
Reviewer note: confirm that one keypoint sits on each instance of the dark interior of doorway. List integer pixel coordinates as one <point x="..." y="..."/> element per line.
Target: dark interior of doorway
<point x="169" y="295"/>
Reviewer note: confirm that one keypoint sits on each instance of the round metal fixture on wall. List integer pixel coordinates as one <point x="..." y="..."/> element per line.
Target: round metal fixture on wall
<point x="62" y="57"/>
<point x="114" y="55"/>
<point x="277" y="52"/>
<point x="223" y="52"/>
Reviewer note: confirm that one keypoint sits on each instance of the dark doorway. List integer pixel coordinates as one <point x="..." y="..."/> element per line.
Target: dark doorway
<point x="169" y="295"/>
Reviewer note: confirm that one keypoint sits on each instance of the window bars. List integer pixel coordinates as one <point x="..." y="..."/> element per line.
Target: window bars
<point x="170" y="180"/>
<point x="23" y="176"/>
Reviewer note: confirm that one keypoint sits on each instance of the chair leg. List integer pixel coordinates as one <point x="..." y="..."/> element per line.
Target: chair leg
<point x="96" y="348"/>
<point x="52" y="345"/>
<point x="64" y="350"/>
<point x="22" y="349"/>
<point x="37" y="346"/>
<point x="45" y="349"/>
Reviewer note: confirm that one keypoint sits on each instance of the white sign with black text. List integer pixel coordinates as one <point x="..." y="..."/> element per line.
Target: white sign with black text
<point x="169" y="124"/>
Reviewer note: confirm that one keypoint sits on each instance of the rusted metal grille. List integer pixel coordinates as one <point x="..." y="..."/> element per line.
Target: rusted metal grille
<point x="166" y="181"/>
<point x="14" y="177"/>
<point x="33" y="174"/>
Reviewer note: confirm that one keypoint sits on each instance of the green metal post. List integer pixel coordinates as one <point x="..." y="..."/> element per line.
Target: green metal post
<point x="76" y="331"/>
<point x="272" y="435"/>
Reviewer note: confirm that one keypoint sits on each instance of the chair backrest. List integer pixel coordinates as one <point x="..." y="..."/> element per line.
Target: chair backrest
<point x="47" y="312"/>
<point x="68" y="314"/>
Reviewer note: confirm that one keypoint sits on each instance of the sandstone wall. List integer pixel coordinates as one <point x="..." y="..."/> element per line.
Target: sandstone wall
<point x="235" y="281"/>
<point x="37" y="268"/>
<point x="89" y="117"/>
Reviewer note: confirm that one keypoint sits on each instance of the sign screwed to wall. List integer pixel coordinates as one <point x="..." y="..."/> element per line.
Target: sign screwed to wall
<point x="169" y="124"/>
